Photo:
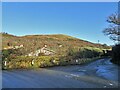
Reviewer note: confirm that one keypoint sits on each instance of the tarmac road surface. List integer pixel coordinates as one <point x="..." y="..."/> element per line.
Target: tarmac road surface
<point x="98" y="74"/>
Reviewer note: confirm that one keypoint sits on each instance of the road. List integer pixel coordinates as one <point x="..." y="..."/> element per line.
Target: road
<point x="98" y="74"/>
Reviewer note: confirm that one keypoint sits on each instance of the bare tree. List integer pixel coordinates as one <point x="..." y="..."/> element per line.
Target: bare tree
<point x="113" y="31"/>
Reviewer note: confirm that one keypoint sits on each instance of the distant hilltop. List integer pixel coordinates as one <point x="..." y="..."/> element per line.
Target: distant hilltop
<point x="58" y="43"/>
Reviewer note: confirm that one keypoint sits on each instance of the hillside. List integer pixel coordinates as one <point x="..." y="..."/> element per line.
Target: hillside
<point x="57" y="42"/>
<point x="47" y="50"/>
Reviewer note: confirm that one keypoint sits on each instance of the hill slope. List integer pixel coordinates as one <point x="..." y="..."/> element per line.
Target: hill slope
<point x="57" y="42"/>
<point x="27" y="51"/>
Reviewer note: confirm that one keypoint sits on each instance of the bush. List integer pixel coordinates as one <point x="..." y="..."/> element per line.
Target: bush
<point x="73" y="56"/>
<point x="22" y="62"/>
<point x="85" y="52"/>
<point x="116" y="54"/>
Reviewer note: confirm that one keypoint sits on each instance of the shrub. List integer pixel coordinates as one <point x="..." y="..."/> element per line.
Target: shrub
<point x="82" y="55"/>
<point x="116" y="54"/>
<point x="85" y="52"/>
<point x="31" y="62"/>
